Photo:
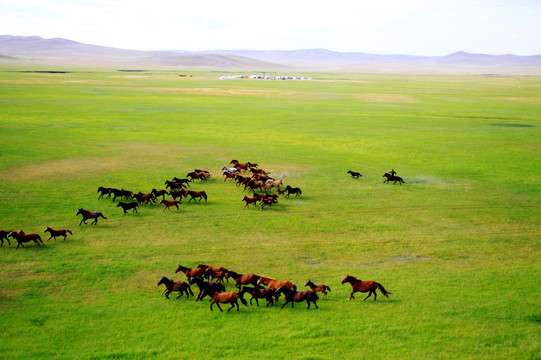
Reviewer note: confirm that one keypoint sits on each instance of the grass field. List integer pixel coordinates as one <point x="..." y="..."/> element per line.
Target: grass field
<point x="458" y="245"/>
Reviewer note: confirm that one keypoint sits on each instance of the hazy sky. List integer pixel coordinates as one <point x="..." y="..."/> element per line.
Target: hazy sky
<point x="416" y="27"/>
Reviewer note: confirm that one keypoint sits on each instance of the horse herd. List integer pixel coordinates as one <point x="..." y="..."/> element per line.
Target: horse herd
<point x="210" y="281"/>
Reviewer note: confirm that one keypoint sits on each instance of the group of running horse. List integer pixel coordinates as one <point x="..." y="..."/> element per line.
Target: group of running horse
<point x="210" y="281"/>
<point x="260" y="179"/>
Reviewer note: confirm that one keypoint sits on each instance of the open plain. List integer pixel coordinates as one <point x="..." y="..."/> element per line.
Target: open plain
<point x="457" y="245"/>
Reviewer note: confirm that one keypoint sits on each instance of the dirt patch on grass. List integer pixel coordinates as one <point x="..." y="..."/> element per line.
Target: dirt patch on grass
<point x="387" y="98"/>
<point x="531" y="100"/>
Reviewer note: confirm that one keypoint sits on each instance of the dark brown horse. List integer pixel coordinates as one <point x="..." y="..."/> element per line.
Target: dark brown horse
<point x="157" y="193"/>
<point x="90" y="215"/>
<point x="229" y="297"/>
<point x="364" y="286"/>
<point x="213" y="274"/>
<point x="104" y="191"/>
<point x="179" y="193"/>
<point x="144" y="198"/>
<point x="22" y="238"/>
<point x="276" y="284"/>
<point x="394" y="178"/>
<point x="269" y="200"/>
<point x="196" y="175"/>
<point x="241" y="279"/>
<point x="197" y="194"/>
<point x="190" y="273"/>
<point x="169" y="203"/>
<point x="180" y="286"/>
<point x="293" y="296"/>
<point x="55" y="233"/>
<point x="259" y="292"/>
<point x="355" y="174"/>
<point x="4" y="236"/>
<point x="322" y="288"/>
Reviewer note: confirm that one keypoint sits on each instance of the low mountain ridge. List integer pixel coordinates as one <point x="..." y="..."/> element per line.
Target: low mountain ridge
<point x="35" y="49"/>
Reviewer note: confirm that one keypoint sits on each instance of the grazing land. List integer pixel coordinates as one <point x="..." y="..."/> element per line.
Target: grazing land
<point x="457" y="245"/>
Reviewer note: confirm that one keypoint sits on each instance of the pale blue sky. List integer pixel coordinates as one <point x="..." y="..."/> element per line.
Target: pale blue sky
<point x="416" y="27"/>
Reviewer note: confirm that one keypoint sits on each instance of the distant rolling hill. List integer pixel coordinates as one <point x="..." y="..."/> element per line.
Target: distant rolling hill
<point x="37" y="50"/>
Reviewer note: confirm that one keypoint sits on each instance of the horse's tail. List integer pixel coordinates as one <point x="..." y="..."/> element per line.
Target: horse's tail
<point x="103" y="216"/>
<point x="205" y="195"/>
<point x="383" y="291"/>
<point x="327" y="288"/>
<point x="70" y="232"/>
<point x="294" y="287"/>
<point x="300" y="191"/>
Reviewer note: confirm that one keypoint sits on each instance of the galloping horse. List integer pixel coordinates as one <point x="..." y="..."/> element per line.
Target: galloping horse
<point x="291" y="190"/>
<point x="55" y="233"/>
<point x="4" y="236"/>
<point x="259" y="292"/>
<point x="180" y="286"/>
<point x="355" y="174"/>
<point x="394" y="178"/>
<point x="157" y="193"/>
<point x="315" y="288"/>
<point x="242" y="279"/>
<point x="229" y="297"/>
<point x="293" y="296"/>
<point x="197" y="194"/>
<point x="128" y="206"/>
<point x="268" y="201"/>
<point x="206" y="287"/>
<point x="104" y="191"/>
<point x="229" y="170"/>
<point x="21" y="238"/>
<point x="364" y="286"/>
<point x="196" y="175"/>
<point x="211" y="273"/>
<point x="144" y="198"/>
<point x="274" y="183"/>
<point x="190" y="273"/>
<point x="90" y="215"/>
<point x="169" y="203"/>
<point x="179" y="193"/>
<point x="275" y="284"/>
<point x="250" y="200"/>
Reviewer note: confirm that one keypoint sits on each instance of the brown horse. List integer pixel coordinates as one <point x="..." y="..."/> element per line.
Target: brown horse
<point x="242" y="279"/>
<point x="229" y="297"/>
<point x="250" y="200"/>
<point x="197" y="194"/>
<point x="268" y="201"/>
<point x="90" y="215"/>
<point x="4" y="236"/>
<point x="21" y="238"/>
<point x="144" y="198"/>
<point x="293" y="296"/>
<point x="169" y="203"/>
<point x="55" y="233"/>
<point x="180" y="286"/>
<point x="212" y="274"/>
<point x="322" y="288"/>
<point x="394" y="178"/>
<point x="190" y="273"/>
<point x="196" y="175"/>
<point x="364" y="286"/>
<point x="275" y="284"/>
<point x="179" y="193"/>
<point x="259" y="292"/>
<point x="157" y="193"/>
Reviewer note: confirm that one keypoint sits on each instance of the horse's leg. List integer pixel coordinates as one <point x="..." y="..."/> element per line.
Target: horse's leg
<point x="233" y="305"/>
<point x="218" y="304"/>
<point x="95" y="221"/>
<point x="284" y="304"/>
<point x="167" y="293"/>
<point x="19" y="243"/>
<point x="369" y="293"/>
<point x="351" y="295"/>
<point x="375" y="295"/>
<point x="82" y="221"/>
<point x="37" y="242"/>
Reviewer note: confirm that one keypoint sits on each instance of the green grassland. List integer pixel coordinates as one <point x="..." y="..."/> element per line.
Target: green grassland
<point x="458" y="245"/>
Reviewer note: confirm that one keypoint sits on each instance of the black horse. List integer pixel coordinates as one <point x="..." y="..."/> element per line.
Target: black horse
<point x="128" y="206"/>
<point x="394" y="178"/>
<point x="206" y="287"/>
<point x="291" y="190"/>
<point x="4" y="236"/>
<point x="355" y="174"/>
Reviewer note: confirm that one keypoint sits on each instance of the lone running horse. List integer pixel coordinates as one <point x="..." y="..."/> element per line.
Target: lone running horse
<point x="90" y="215"/>
<point x="54" y="233"/>
<point x="364" y="286"/>
<point x="355" y="174"/>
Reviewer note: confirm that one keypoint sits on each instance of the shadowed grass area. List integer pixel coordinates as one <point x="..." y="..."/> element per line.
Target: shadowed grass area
<point x="457" y="244"/>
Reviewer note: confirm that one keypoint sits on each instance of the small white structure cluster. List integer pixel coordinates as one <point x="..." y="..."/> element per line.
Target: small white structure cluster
<point x="263" y="76"/>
